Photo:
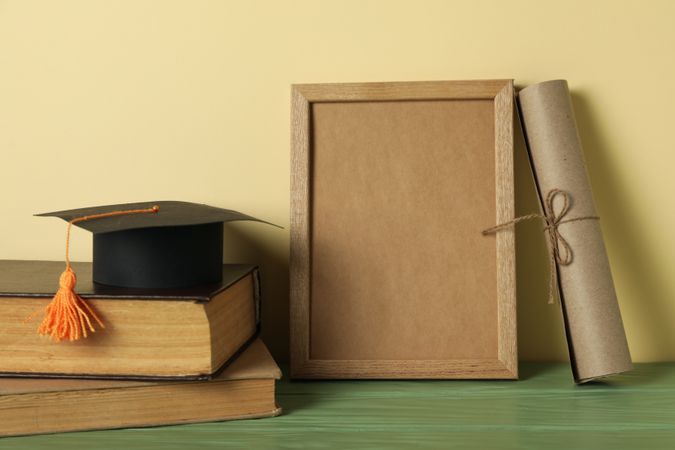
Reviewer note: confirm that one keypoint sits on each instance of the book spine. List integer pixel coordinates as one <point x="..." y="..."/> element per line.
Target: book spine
<point x="595" y="333"/>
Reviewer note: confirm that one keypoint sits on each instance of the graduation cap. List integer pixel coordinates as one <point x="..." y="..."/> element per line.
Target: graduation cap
<point x="154" y="245"/>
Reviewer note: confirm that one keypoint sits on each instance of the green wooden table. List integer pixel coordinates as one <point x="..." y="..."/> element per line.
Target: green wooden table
<point x="544" y="410"/>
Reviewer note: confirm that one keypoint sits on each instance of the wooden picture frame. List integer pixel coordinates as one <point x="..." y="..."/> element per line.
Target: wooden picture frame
<point x="390" y="276"/>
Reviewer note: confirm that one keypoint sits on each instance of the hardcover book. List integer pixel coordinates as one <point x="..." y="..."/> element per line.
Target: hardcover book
<point x="37" y="406"/>
<point x="188" y="333"/>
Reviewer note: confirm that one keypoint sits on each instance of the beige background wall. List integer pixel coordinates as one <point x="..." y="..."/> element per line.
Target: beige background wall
<point x="119" y="101"/>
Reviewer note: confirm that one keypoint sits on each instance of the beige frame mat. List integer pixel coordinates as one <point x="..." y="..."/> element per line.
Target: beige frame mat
<point x="391" y="185"/>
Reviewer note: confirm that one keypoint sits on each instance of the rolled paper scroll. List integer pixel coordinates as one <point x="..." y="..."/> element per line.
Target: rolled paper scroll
<point x="595" y="334"/>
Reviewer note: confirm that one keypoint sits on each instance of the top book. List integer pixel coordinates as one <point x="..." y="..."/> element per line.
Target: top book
<point x="186" y="333"/>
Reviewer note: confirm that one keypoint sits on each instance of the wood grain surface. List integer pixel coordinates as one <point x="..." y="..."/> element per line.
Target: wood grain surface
<point x="544" y="410"/>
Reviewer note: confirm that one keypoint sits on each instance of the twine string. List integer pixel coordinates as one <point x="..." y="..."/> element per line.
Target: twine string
<point x="560" y="250"/>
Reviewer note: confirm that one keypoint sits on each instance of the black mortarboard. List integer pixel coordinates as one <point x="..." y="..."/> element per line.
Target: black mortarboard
<point x="180" y="244"/>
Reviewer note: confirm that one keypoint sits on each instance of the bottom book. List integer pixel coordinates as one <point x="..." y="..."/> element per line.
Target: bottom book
<point x="243" y="390"/>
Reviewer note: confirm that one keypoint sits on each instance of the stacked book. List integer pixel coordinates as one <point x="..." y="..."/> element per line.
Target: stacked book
<point x="163" y="355"/>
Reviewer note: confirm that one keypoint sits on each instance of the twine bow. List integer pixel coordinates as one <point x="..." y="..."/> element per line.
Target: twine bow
<point x="560" y="250"/>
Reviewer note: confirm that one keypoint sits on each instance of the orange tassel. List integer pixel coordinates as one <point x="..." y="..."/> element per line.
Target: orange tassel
<point x="68" y="316"/>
